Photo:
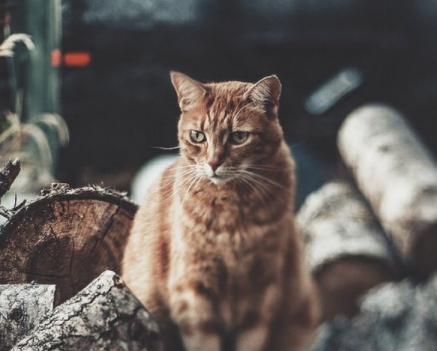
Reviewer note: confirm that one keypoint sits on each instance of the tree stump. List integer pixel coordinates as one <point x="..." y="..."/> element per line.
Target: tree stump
<point x="103" y="316"/>
<point x="65" y="237"/>
<point x="398" y="176"/>
<point x="346" y="249"/>
<point x="21" y="308"/>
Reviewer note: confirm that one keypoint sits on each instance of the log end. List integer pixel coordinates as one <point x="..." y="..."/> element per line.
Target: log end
<point x="342" y="282"/>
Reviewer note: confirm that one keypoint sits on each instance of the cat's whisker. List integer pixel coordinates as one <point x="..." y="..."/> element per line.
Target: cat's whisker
<point x="193" y="181"/>
<point x="168" y="194"/>
<point x="263" y="186"/>
<point x="268" y="180"/>
<point x="265" y="167"/>
<point x="166" y="148"/>
<point x="179" y="174"/>
<point x="248" y="181"/>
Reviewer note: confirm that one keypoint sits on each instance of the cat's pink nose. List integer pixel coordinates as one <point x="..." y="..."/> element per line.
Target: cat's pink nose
<point x="214" y="165"/>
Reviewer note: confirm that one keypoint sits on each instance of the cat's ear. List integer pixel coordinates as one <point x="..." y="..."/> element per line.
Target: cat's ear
<point x="266" y="93"/>
<point x="188" y="90"/>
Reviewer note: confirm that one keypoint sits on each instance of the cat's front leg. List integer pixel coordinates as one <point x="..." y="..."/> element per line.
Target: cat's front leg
<point x="192" y="310"/>
<point x="253" y="338"/>
<point x="255" y="333"/>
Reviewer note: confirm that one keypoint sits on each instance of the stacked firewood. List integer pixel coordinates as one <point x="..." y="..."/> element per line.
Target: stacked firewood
<point x="373" y="231"/>
<point x="62" y="250"/>
<point x="380" y="226"/>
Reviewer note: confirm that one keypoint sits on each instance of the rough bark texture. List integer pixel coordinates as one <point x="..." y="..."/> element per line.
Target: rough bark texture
<point x="398" y="176"/>
<point x="8" y="175"/>
<point x="395" y="317"/>
<point x="347" y="250"/>
<point x="103" y="316"/>
<point x="21" y="308"/>
<point x="66" y="237"/>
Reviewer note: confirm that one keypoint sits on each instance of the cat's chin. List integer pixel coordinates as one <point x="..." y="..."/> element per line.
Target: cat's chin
<point x="217" y="180"/>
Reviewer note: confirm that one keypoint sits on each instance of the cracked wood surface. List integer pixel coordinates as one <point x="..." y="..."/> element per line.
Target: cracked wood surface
<point x="21" y="308"/>
<point x="103" y="316"/>
<point x="398" y="176"/>
<point x="65" y="237"/>
<point x="346" y="248"/>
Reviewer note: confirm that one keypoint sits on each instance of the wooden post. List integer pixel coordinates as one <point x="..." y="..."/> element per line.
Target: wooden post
<point x="398" y="176"/>
<point x="103" y="316"/>
<point x="347" y="251"/>
<point x="21" y="308"/>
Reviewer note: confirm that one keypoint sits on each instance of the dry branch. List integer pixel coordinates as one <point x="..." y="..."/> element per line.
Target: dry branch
<point x="398" y="176"/>
<point x="103" y="316"/>
<point x="66" y="237"/>
<point x="21" y="308"/>
<point x="8" y="175"/>
<point x="346" y="247"/>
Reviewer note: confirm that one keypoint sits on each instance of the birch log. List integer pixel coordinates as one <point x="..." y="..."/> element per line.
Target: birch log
<point x="399" y="316"/>
<point x="66" y="237"/>
<point x="398" y="176"/>
<point x="347" y="251"/>
<point x="103" y="316"/>
<point x="21" y="308"/>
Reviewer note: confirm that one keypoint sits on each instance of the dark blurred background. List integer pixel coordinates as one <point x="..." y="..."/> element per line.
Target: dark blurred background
<point x="331" y="56"/>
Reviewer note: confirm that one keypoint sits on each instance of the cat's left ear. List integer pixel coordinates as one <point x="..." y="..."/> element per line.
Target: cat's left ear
<point x="266" y="93"/>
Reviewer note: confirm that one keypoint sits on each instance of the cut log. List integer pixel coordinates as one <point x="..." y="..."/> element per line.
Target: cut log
<point x="21" y="308"/>
<point x="398" y="176"/>
<point x="347" y="250"/>
<point x="66" y="237"/>
<point x="103" y="316"/>
<point x="394" y="317"/>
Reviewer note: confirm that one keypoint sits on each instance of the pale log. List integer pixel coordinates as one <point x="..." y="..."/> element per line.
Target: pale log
<point x="347" y="250"/>
<point x="103" y="316"/>
<point x="21" y="308"/>
<point x="398" y="176"/>
<point x="399" y="316"/>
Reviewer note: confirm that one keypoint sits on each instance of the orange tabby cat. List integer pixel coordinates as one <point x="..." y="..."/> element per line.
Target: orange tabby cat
<point x="214" y="254"/>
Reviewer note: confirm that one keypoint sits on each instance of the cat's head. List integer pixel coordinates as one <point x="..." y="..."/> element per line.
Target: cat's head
<point x="226" y="128"/>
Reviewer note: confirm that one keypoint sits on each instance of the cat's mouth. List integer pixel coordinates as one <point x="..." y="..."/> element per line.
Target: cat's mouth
<point x="218" y="179"/>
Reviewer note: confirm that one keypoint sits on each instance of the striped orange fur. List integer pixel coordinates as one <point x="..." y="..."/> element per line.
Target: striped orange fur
<point x="214" y="253"/>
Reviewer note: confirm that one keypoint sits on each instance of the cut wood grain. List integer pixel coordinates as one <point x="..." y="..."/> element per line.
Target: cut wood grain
<point x="103" y="316"/>
<point x="398" y="176"/>
<point x="65" y="237"/>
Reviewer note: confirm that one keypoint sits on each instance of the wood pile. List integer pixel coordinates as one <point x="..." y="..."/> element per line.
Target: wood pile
<point x="61" y="253"/>
<point x="378" y="230"/>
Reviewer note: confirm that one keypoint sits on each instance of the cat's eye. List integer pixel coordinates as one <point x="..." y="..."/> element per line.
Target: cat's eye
<point x="239" y="137"/>
<point x="197" y="137"/>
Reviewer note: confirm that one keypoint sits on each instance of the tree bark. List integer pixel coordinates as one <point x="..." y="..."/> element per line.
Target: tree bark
<point x="347" y="250"/>
<point x="65" y="237"/>
<point x="8" y="175"/>
<point x="397" y="175"/>
<point x="103" y="316"/>
<point x="21" y="308"/>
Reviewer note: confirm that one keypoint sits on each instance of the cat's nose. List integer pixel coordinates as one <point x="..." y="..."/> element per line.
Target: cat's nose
<point x="214" y="165"/>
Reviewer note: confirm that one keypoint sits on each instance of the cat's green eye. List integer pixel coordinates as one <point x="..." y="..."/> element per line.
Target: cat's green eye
<point x="197" y="137"/>
<point x="239" y="137"/>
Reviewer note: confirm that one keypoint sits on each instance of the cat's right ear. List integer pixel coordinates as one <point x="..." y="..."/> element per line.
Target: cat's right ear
<point x="188" y="90"/>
